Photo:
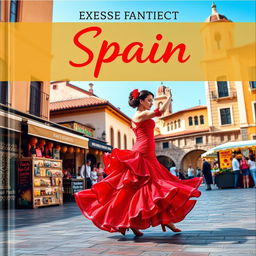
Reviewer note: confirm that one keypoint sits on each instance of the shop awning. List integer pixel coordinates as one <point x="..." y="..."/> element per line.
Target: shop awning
<point x="99" y="145"/>
<point x="55" y="134"/>
<point x="10" y="122"/>
<point x="230" y="145"/>
<point x="235" y="145"/>
<point x="209" y="154"/>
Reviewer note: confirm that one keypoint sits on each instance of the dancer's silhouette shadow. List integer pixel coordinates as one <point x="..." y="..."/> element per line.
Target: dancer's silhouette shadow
<point x="195" y="237"/>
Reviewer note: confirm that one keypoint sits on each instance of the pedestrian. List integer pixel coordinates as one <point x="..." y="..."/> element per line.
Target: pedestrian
<point x="190" y="172"/>
<point x="252" y="166"/>
<point x="100" y="172"/>
<point x="94" y="175"/>
<point x="244" y="167"/>
<point x="236" y="169"/>
<point x="85" y="173"/>
<point x="198" y="172"/>
<point x="138" y="192"/>
<point x="181" y="175"/>
<point x="173" y="170"/>
<point x="207" y="174"/>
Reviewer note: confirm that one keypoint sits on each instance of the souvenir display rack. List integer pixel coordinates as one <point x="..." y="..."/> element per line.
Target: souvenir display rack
<point x="46" y="181"/>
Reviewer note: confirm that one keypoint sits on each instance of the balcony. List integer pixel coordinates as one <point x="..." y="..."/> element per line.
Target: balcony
<point x="216" y="97"/>
<point x="39" y="103"/>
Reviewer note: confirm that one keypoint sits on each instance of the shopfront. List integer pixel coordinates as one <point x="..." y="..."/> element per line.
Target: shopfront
<point x="96" y="150"/>
<point x="10" y="132"/>
<point x="52" y="142"/>
<point x="53" y="155"/>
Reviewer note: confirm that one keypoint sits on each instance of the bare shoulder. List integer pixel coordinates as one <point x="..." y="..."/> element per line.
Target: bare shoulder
<point x="139" y="115"/>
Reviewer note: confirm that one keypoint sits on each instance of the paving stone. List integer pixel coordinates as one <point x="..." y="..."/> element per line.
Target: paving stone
<point x="219" y="225"/>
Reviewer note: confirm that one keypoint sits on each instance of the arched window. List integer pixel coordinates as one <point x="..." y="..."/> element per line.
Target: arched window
<point x="112" y="137"/>
<point x="175" y="124"/>
<point x="118" y="140"/>
<point x="125" y="142"/>
<point x="217" y="38"/>
<point x="179" y="123"/>
<point x="196" y="120"/>
<point x="190" y="121"/>
<point x="132" y="141"/>
<point x="201" y="119"/>
<point x="168" y="127"/>
<point x="171" y="125"/>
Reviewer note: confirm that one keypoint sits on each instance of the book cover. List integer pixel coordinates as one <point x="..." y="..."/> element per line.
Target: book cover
<point x="67" y="68"/>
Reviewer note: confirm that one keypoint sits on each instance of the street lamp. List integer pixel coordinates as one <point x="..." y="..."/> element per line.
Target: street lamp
<point x="103" y="135"/>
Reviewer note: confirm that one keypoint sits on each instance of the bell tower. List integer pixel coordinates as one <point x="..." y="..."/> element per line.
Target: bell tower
<point x="162" y="93"/>
<point x="217" y="34"/>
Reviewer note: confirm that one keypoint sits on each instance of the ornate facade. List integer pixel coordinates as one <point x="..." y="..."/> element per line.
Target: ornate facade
<point x="229" y="114"/>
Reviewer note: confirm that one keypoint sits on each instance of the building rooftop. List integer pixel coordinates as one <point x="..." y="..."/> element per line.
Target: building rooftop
<point x="77" y="103"/>
<point x="215" y="16"/>
<point x="184" y="110"/>
<point x="182" y="133"/>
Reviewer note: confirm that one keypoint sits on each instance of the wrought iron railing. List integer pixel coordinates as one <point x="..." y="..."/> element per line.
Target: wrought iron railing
<point x="215" y="95"/>
<point x="39" y="103"/>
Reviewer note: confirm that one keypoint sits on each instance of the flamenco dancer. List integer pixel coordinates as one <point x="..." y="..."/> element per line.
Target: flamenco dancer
<point x="138" y="191"/>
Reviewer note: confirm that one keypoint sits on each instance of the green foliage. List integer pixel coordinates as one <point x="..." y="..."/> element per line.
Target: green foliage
<point x="224" y="170"/>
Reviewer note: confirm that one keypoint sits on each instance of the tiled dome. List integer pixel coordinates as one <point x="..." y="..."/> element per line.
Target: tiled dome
<point x="215" y="16"/>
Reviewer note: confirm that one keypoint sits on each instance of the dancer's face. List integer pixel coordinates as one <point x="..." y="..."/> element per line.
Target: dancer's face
<point x="147" y="102"/>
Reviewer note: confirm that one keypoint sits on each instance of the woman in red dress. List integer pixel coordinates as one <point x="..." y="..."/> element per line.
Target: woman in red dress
<point x="138" y="191"/>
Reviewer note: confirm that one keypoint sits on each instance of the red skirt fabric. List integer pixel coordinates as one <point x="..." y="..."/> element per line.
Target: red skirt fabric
<point x="138" y="192"/>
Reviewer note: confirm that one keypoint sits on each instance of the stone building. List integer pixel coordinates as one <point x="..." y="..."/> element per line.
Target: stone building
<point x="71" y="103"/>
<point x="229" y="114"/>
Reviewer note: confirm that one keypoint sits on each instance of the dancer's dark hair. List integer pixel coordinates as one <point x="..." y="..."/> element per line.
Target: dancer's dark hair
<point x="135" y="102"/>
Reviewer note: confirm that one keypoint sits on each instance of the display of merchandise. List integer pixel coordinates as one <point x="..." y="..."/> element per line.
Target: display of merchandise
<point x="46" y="175"/>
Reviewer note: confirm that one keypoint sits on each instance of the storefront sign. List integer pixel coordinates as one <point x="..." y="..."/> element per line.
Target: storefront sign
<point x="72" y="186"/>
<point x="50" y="134"/>
<point x="24" y="184"/>
<point x="225" y="158"/>
<point x="97" y="145"/>
<point x="24" y="174"/>
<point x="77" y="186"/>
<point x="80" y="128"/>
<point x="84" y="129"/>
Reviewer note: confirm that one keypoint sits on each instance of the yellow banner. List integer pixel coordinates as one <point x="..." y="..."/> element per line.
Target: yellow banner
<point x="225" y="158"/>
<point x="127" y="51"/>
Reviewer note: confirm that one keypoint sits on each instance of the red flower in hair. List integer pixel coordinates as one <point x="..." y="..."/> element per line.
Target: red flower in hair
<point x="135" y="94"/>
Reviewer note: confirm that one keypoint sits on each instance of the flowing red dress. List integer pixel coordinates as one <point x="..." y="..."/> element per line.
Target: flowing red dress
<point x="138" y="191"/>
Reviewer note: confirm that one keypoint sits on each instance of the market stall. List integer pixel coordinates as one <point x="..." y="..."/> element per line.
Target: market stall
<point x="224" y="177"/>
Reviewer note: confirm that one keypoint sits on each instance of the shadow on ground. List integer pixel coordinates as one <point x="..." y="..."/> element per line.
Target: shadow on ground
<point x="19" y="218"/>
<point x="195" y="237"/>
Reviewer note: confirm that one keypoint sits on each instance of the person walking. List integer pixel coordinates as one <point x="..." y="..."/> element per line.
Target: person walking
<point x="138" y="192"/>
<point x="181" y="175"/>
<point x="173" y="170"/>
<point x="244" y="167"/>
<point x="190" y="172"/>
<point x="252" y="166"/>
<point x="85" y="173"/>
<point x="94" y="176"/>
<point x="100" y="172"/>
<point x="236" y="170"/>
<point x="206" y="169"/>
<point x="198" y="172"/>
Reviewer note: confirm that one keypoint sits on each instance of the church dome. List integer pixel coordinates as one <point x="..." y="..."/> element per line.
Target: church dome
<point x="216" y="17"/>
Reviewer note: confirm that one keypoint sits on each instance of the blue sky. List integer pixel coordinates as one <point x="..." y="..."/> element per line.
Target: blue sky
<point x="185" y="94"/>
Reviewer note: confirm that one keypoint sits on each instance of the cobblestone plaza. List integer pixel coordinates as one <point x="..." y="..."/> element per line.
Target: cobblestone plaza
<point x="222" y="223"/>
